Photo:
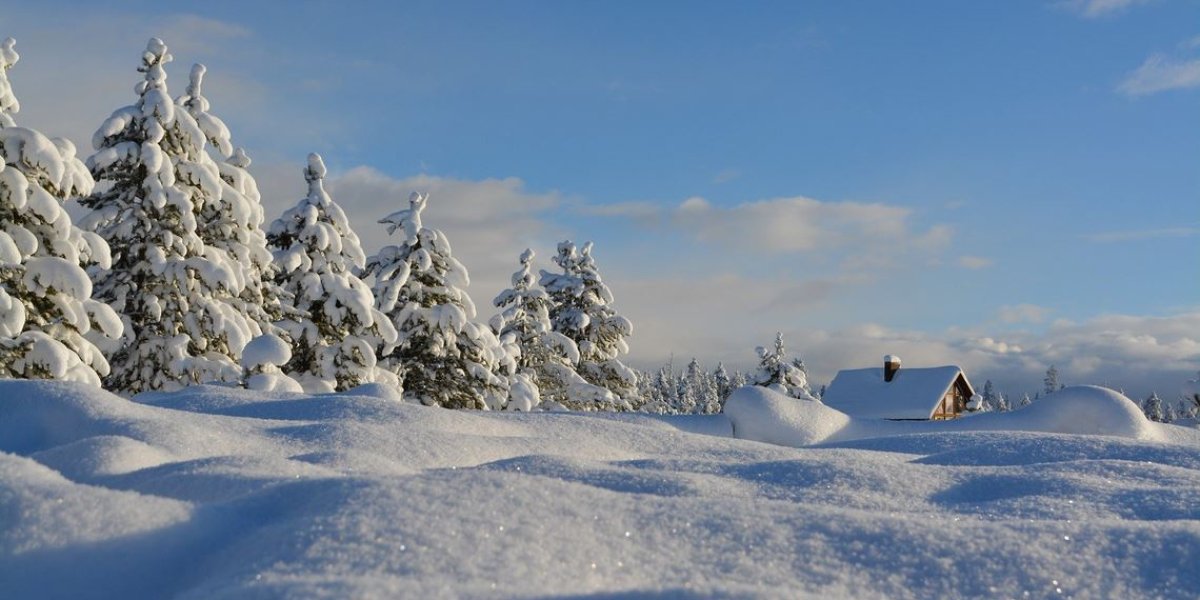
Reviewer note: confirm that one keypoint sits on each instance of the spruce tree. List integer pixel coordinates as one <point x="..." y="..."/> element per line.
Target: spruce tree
<point x="549" y="357"/>
<point x="775" y="372"/>
<point x="171" y="290"/>
<point x="444" y="358"/>
<point x="581" y="310"/>
<point x="1050" y="382"/>
<point x="724" y="382"/>
<point x="1152" y="407"/>
<point x="46" y="309"/>
<point x="993" y="399"/>
<point x="336" y="330"/>
<point x="233" y="217"/>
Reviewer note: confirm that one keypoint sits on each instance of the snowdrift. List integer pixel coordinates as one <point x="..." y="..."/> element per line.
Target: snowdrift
<point x="214" y="492"/>
<point x="759" y="414"/>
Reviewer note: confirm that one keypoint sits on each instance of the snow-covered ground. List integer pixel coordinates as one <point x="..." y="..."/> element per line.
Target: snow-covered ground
<point x="220" y="493"/>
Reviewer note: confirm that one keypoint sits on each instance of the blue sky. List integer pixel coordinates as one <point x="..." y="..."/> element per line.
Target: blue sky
<point x="1002" y="185"/>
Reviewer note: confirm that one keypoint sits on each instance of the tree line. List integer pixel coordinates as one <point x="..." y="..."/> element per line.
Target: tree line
<point x="173" y="278"/>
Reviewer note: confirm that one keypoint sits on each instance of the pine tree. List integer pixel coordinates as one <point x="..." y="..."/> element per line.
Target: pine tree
<point x="723" y="381"/>
<point x="581" y="310"/>
<point x="1153" y="408"/>
<point x="337" y="332"/>
<point x="991" y="398"/>
<point x="233" y="218"/>
<point x="445" y="359"/>
<point x="46" y="309"/>
<point x="1171" y="414"/>
<point x="172" y="291"/>
<point x="1050" y="383"/>
<point x="1025" y="401"/>
<point x="547" y="356"/>
<point x="775" y="372"/>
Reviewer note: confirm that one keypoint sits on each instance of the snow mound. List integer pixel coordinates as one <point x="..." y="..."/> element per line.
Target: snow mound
<point x="760" y="414"/>
<point x="44" y="510"/>
<point x="267" y="349"/>
<point x="1084" y="409"/>
<point x="223" y="492"/>
<point x="763" y="415"/>
<point x="102" y="455"/>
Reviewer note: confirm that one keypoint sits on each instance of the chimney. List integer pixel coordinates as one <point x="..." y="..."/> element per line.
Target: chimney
<point x="891" y="364"/>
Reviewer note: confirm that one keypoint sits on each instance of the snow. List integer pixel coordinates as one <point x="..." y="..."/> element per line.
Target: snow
<point x="266" y="350"/>
<point x="911" y="394"/>
<point x="218" y="492"/>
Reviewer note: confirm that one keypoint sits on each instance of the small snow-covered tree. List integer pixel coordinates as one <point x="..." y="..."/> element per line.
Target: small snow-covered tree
<point x="233" y="217"/>
<point x="698" y="390"/>
<point x="549" y="357"/>
<point x="173" y="292"/>
<point x="1153" y="408"/>
<point x="1171" y="414"/>
<point x="723" y="381"/>
<point x="1025" y="400"/>
<point x="1050" y="382"/>
<point x="995" y="400"/>
<point x="337" y="329"/>
<point x="46" y="308"/>
<point x="775" y="372"/>
<point x="581" y="310"/>
<point x="444" y="357"/>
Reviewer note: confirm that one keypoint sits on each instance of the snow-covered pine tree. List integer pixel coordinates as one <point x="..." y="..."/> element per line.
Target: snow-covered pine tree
<point x="46" y="308"/>
<point x="1153" y="408"/>
<point x="1170" y="413"/>
<point x="172" y="291"/>
<point x="548" y="356"/>
<point x="581" y="310"/>
<point x="1025" y="400"/>
<point x="652" y="400"/>
<point x="444" y="358"/>
<point x="233" y="219"/>
<point x="738" y="380"/>
<point x="723" y="381"/>
<point x="775" y="372"/>
<point x="689" y="387"/>
<point x="1050" y="382"/>
<point x="990" y="397"/>
<point x="337" y="329"/>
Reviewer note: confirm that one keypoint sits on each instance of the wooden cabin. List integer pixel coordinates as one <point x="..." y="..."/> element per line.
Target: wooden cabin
<point x="920" y="394"/>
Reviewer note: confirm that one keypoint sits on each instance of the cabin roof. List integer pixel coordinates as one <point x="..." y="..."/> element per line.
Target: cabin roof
<point x="911" y="394"/>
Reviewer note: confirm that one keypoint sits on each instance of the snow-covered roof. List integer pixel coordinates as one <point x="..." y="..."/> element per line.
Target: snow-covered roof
<point x="911" y="394"/>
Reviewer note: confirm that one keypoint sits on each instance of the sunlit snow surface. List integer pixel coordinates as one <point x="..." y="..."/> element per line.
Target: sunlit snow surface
<point x="224" y="493"/>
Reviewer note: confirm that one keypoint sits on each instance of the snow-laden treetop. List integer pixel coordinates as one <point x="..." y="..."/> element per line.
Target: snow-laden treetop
<point x="409" y="218"/>
<point x="153" y="89"/>
<point x="215" y="130"/>
<point x="8" y="102"/>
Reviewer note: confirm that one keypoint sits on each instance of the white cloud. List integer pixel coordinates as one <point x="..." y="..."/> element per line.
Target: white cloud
<point x="642" y="211"/>
<point x="974" y="262"/>
<point x="799" y="224"/>
<point x="1137" y="353"/>
<point x="1142" y="234"/>
<point x="1092" y="9"/>
<point x="1161" y="73"/>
